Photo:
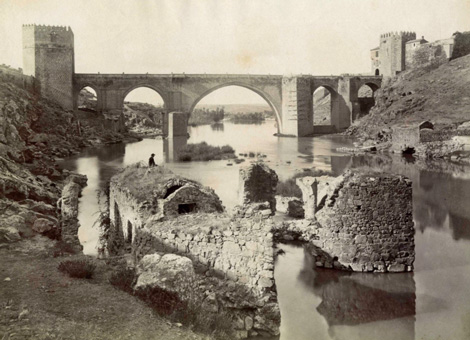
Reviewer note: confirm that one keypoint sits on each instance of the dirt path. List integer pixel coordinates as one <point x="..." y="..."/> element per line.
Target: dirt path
<point x="39" y="302"/>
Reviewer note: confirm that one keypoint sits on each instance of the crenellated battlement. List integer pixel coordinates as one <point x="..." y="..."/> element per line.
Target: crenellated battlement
<point x="48" y="27"/>
<point x="402" y="34"/>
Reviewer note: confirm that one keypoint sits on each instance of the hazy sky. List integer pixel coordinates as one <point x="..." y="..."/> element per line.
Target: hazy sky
<point x="241" y="36"/>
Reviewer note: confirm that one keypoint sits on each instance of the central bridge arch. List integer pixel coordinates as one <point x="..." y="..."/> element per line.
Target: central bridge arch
<point x="262" y="94"/>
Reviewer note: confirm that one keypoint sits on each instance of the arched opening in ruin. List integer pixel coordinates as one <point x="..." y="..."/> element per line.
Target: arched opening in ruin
<point x="234" y="104"/>
<point x="87" y="99"/>
<point x="377" y="72"/>
<point x="143" y="109"/>
<point x="129" y="232"/>
<point x="171" y="190"/>
<point x="365" y="97"/>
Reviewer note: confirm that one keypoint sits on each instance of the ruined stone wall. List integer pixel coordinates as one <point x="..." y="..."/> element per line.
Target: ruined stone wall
<point x="257" y="184"/>
<point x="367" y="225"/>
<point x="404" y="138"/>
<point x="15" y="76"/>
<point x="238" y="249"/>
<point x="233" y="257"/>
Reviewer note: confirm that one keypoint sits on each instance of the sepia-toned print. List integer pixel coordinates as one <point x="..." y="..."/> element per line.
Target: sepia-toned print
<point x="217" y="170"/>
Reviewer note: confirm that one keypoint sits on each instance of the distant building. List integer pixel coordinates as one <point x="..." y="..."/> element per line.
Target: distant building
<point x="397" y="50"/>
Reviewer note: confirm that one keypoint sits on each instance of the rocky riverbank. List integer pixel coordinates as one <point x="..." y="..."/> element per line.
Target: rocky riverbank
<point x="38" y="228"/>
<point x="437" y="94"/>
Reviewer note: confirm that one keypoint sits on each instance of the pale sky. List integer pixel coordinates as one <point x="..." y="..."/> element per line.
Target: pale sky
<point x="319" y="37"/>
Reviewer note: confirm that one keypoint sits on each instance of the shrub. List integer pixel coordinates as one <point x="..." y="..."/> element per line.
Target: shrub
<point x="204" y="152"/>
<point x="461" y="44"/>
<point x="81" y="269"/>
<point x="124" y="279"/>
<point x="62" y="248"/>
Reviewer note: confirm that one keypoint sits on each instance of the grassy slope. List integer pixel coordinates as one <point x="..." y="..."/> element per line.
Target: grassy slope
<point x="441" y="95"/>
<point x="54" y="306"/>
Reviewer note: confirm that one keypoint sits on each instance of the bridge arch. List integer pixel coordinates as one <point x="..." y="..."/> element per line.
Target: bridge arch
<point x="262" y="94"/>
<point x="159" y="91"/>
<point x="83" y="86"/>
<point x="325" y="122"/>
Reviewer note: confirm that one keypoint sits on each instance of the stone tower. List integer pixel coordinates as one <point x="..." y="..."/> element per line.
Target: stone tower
<point x="389" y="59"/>
<point x="48" y="55"/>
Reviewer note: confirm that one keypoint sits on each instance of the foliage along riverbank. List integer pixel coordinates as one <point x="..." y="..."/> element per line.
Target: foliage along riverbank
<point x="204" y="152"/>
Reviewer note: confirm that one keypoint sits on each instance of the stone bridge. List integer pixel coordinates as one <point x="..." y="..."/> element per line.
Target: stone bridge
<point x="290" y="97"/>
<point x="48" y="55"/>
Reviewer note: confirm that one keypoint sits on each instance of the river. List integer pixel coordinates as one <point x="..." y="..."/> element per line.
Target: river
<point x="431" y="303"/>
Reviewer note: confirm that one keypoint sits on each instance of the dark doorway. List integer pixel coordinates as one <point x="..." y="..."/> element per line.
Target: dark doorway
<point x="186" y="208"/>
<point x="377" y="73"/>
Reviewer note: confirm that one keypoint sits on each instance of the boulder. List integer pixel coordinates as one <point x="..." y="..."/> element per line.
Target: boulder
<point x="43" y="226"/>
<point x="9" y="234"/>
<point x="171" y="272"/>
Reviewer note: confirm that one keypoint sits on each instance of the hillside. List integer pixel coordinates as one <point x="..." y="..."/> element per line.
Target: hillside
<point x="440" y="94"/>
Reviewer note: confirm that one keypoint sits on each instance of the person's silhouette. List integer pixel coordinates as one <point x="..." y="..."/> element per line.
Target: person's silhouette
<point x="152" y="161"/>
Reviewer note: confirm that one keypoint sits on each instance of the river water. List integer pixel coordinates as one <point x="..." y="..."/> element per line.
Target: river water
<point x="431" y="303"/>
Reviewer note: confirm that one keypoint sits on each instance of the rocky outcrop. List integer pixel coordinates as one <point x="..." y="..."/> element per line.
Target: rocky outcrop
<point x="258" y="183"/>
<point x="68" y="205"/>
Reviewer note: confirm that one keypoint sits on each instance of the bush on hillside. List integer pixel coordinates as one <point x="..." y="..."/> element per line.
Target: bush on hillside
<point x="461" y="44"/>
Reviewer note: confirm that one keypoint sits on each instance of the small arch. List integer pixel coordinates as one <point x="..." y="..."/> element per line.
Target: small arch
<point x="365" y="97"/>
<point x="263" y="95"/>
<point x="324" y="98"/>
<point x="377" y="72"/>
<point x="87" y="98"/>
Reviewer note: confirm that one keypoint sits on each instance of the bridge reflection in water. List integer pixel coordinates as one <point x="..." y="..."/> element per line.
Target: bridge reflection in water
<point x="343" y="305"/>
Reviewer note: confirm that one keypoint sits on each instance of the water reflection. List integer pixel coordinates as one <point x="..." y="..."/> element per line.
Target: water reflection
<point x="347" y="301"/>
<point x="217" y="127"/>
<point x="432" y="303"/>
<point x="171" y="148"/>
<point x="438" y="196"/>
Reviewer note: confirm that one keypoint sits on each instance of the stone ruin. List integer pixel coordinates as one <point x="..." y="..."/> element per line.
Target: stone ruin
<point x="257" y="184"/>
<point x="159" y="213"/>
<point x="359" y="221"/>
<point x="356" y="222"/>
